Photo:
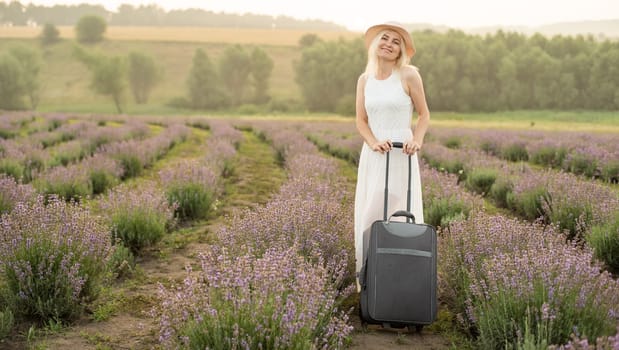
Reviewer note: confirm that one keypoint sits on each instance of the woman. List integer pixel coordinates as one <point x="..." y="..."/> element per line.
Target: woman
<point x="387" y="92"/>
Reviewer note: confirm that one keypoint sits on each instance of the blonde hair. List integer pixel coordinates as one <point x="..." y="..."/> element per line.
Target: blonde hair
<point x="372" y="65"/>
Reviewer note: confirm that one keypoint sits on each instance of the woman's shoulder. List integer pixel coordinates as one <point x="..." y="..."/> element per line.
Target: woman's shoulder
<point x="410" y="72"/>
<point x="363" y="77"/>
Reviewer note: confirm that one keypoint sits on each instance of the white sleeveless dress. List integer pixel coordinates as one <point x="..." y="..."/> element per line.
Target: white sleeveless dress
<point x="390" y="113"/>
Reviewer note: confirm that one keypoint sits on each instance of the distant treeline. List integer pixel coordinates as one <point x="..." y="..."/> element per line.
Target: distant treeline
<point x="461" y="72"/>
<point x="514" y="71"/>
<point x="14" y="13"/>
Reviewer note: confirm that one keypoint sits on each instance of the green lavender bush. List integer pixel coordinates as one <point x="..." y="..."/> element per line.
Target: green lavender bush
<point x="53" y="258"/>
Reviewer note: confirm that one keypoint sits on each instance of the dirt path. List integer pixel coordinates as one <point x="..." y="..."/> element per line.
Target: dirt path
<point x="378" y="338"/>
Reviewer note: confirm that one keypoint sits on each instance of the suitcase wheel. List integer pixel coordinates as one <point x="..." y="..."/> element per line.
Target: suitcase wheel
<point x="417" y="328"/>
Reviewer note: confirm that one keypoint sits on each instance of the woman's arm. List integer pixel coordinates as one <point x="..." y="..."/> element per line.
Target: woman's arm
<point x="415" y="90"/>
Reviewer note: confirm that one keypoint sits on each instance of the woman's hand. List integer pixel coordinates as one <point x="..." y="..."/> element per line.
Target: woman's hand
<point x="382" y="146"/>
<point x="411" y="147"/>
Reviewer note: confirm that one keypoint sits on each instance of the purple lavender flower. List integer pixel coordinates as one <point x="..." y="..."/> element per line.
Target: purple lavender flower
<point x="53" y="256"/>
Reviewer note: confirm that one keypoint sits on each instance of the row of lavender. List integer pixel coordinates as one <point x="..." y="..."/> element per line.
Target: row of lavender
<point x="55" y="254"/>
<point x="515" y="283"/>
<point x="86" y="157"/>
<point x="594" y="155"/>
<point x="586" y="211"/>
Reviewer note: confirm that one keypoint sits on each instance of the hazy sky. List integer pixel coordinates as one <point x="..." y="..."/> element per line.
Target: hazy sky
<point x="357" y="14"/>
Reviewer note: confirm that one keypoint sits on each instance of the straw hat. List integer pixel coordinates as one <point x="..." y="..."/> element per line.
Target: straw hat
<point x="371" y="33"/>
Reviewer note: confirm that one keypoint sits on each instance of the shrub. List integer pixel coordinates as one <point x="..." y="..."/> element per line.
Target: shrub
<point x="220" y="154"/>
<point x="453" y="142"/>
<point x="604" y="239"/>
<point x="284" y="105"/>
<point x="515" y="152"/>
<point x="12" y="168"/>
<point x="104" y="172"/>
<point x="101" y="181"/>
<point x="316" y="223"/>
<point x="34" y="165"/>
<point x="277" y="301"/>
<point x="178" y="102"/>
<point x="69" y="152"/>
<point x="13" y="192"/>
<point x="53" y="256"/>
<point x="549" y="156"/>
<point x="191" y="187"/>
<point x="480" y="180"/>
<point x="122" y="261"/>
<point x="508" y="278"/>
<point x="90" y="29"/>
<point x="575" y="204"/>
<point x="452" y="166"/>
<point x="490" y="147"/>
<point x="499" y="192"/>
<point x="528" y="204"/>
<point x="582" y="343"/>
<point x="442" y="211"/>
<point x="248" y="109"/>
<point x="610" y="171"/>
<point x="132" y="166"/>
<point x="573" y="216"/>
<point x="580" y="164"/>
<point x="138" y="217"/>
<point x="193" y="201"/>
<point x="72" y="183"/>
<point x="50" y="34"/>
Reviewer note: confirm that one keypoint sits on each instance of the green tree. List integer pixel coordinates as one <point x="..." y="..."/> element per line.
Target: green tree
<point x="30" y="62"/>
<point x="49" y="34"/>
<point x="494" y="52"/>
<point x="308" y="40"/>
<point x="203" y="83"/>
<point x="235" y="69"/>
<point x="108" y="74"/>
<point x="327" y="73"/>
<point x="11" y="83"/>
<point x="261" y="68"/>
<point x="90" y="29"/>
<point x="144" y="74"/>
<point x="578" y="66"/>
<point x="604" y="85"/>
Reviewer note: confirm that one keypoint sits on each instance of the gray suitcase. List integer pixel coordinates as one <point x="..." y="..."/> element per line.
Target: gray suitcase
<point x="398" y="279"/>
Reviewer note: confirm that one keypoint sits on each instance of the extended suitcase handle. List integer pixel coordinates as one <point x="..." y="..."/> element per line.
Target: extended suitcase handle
<point x="401" y="213"/>
<point x="408" y="192"/>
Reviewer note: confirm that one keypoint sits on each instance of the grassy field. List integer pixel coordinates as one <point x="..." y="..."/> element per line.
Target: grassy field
<point x="586" y="121"/>
<point x="65" y="81"/>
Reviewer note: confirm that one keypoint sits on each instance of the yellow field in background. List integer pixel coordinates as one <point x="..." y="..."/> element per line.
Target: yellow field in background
<point x="285" y="37"/>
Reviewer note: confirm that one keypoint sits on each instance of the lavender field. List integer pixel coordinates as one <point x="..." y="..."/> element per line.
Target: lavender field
<point x="195" y="232"/>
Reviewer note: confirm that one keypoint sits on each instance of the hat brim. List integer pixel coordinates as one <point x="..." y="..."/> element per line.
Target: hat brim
<point x="371" y="33"/>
